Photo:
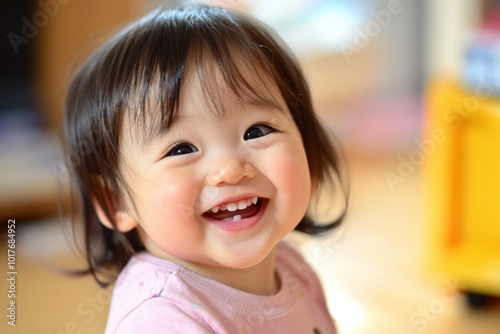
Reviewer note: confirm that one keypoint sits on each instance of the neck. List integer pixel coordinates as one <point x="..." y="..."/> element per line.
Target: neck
<point x="260" y="279"/>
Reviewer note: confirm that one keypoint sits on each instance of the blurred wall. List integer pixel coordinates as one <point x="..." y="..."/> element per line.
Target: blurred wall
<point x="73" y="29"/>
<point x="390" y="62"/>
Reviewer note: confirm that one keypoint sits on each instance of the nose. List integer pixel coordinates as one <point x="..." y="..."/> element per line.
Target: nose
<point x="230" y="171"/>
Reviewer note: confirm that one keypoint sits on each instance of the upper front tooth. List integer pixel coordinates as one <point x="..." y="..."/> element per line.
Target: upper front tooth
<point x="242" y="205"/>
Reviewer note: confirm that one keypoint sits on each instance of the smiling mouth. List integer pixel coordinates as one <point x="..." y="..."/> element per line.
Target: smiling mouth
<point x="235" y="211"/>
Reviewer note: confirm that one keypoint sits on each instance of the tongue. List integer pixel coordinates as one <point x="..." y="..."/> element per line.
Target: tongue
<point x="226" y="214"/>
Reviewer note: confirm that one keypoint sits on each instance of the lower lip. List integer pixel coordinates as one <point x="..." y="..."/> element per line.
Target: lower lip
<point x="244" y="223"/>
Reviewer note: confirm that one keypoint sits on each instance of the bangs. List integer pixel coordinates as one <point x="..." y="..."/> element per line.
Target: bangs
<point x="226" y="55"/>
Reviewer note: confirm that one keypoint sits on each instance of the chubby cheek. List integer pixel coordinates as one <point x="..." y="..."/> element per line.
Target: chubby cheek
<point x="292" y="178"/>
<point x="169" y="218"/>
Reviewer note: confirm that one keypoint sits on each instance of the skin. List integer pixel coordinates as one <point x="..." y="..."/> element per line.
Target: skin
<point x="206" y="160"/>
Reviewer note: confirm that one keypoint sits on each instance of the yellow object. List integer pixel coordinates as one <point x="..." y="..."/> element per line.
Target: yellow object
<point x="462" y="176"/>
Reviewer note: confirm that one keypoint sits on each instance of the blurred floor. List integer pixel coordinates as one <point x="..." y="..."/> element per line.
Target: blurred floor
<point x="372" y="271"/>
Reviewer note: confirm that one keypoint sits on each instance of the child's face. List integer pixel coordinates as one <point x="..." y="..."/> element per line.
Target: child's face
<point x="206" y="163"/>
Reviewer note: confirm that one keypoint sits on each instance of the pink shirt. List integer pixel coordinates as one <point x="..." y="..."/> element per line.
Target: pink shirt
<point x="154" y="295"/>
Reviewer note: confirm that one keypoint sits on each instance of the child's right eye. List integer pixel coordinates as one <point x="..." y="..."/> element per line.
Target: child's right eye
<point x="181" y="149"/>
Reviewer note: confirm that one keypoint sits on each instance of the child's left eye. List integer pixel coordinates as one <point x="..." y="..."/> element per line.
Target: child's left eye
<point x="258" y="130"/>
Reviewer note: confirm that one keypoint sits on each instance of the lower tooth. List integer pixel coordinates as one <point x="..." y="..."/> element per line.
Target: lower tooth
<point x="235" y="218"/>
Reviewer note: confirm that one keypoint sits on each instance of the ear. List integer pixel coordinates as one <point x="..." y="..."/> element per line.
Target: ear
<point x="124" y="222"/>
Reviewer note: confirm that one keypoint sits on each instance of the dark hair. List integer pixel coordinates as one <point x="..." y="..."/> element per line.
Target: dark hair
<point x="147" y="61"/>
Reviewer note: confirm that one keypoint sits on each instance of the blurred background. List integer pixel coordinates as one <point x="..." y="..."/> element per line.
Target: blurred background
<point x="411" y="89"/>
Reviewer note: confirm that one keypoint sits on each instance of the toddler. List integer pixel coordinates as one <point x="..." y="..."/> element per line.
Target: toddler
<point x="199" y="152"/>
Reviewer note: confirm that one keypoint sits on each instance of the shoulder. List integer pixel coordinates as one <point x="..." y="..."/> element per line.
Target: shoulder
<point x="289" y="258"/>
<point x="295" y="271"/>
<point x="155" y="295"/>
<point x="157" y="315"/>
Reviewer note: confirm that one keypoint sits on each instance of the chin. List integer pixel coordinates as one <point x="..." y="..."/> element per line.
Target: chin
<point x="246" y="259"/>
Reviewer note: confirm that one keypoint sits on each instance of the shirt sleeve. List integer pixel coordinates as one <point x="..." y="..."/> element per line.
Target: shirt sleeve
<point x="157" y="315"/>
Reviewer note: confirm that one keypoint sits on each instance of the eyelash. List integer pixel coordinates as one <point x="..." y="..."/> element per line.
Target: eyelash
<point x="171" y="151"/>
<point x="269" y="127"/>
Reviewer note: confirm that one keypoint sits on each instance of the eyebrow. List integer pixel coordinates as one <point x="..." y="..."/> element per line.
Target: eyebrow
<point x="268" y="103"/>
